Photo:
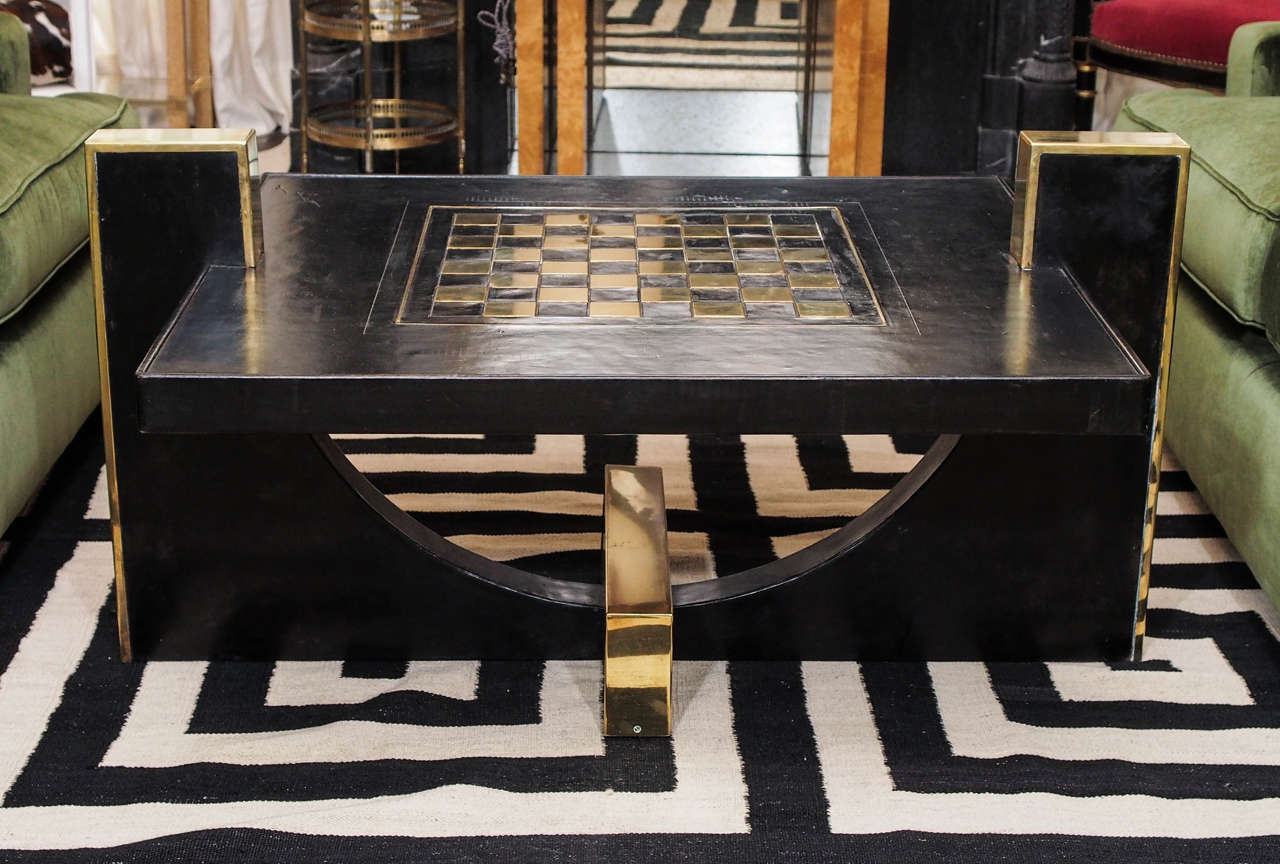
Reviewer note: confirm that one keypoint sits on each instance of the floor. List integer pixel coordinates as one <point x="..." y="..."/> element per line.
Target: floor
<point x="702" y="132"/>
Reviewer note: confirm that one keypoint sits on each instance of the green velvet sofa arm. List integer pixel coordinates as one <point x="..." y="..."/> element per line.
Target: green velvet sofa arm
<point x="1253" y="61"/>
<point x="15" y="56"/>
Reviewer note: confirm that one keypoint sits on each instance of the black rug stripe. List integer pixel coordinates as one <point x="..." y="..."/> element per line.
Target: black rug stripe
<point x="779" y="753"/>
<point x="1221" y="574"/>
<point x="40" y="543"/>
<point x="692" y="17"/>
<point x="722" y="487"/>
<point x="1176" y="481"/>
<point x="744" y="13"/>
<point x="255" y="845"/>
<point x="233" y="699"/>
<point x="488" y="445"/>
<point x="1028" y="696"/>
<point x="66" y="768"/>
<point x="920" y="757"/>
<point x="1197" y="525"/>
<point x="644" y="13"/>
<point x="827" y="464"/>
<point x="485" y="482"/>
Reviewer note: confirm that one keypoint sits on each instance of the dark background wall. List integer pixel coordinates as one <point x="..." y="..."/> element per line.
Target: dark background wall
<point x="963" y="76"/>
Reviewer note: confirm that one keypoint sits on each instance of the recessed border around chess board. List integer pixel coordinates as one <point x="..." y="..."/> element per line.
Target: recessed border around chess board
<point x="746" y="265"/>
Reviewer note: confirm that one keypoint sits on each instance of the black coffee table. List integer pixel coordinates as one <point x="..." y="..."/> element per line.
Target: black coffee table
<point x="634" y="305"/>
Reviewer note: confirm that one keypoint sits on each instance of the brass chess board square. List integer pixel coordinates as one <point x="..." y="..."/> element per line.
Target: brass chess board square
<point x="701" y="267"/>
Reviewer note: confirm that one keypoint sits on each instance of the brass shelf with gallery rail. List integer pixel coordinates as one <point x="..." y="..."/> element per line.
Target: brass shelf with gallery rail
<point x="382" y="123"/>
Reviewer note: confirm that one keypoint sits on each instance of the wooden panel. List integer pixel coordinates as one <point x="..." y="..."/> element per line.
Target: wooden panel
<point x="571" y="86"/>
<point x="857" y="86"/>
<point x="201" y="64"/>
<point x="846" y="69"/>
<point x="871" y="85"/>
<point x="175" y="22"/>
<point x="530" y="89"/>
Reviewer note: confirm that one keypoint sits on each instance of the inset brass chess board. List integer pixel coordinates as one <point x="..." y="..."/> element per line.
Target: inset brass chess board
<point x="548" y="265"/>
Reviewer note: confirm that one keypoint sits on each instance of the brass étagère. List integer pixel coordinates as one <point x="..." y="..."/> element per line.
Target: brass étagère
<point x="390" y="123"/>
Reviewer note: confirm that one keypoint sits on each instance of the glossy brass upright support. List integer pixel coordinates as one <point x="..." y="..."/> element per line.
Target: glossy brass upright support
<point x="637" y="599"/>
<point x="1143" y="313"/>
<point x="238" y="147"/>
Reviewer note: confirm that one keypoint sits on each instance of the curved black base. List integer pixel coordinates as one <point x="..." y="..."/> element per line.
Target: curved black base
<point x="1011" y="547"/>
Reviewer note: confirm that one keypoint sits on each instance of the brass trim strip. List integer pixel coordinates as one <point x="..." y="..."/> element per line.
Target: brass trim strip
<point x="1032" y="145"/>
<point x="637" y="600"/>
<point x="1157" y="426"/>
<point x="243" y="142"/>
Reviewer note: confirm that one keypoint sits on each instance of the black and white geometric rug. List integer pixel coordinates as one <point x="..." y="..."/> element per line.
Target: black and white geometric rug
<point x="1173" y="759"/>
<point x="704" y="44"/>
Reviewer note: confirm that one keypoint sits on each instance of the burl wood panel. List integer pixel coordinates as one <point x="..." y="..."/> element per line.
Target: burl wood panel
<point x="530" y="85"/>
<point x="857" y="86"/>
<point x="571" y="86"/>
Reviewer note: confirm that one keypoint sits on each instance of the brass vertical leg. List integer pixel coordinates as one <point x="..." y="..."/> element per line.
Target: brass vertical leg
<point x="637" y="599"/>
<point x="462" y="87"/>
<point x="367" y="33"/>
<point x="395" y="83"/>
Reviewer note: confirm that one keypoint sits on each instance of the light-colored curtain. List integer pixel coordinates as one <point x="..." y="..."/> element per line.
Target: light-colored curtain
<point x="128" y="39"/>
<point x="251" y="42"/>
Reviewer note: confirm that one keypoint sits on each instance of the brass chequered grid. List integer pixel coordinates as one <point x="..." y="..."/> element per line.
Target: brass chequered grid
<point x="733" y="265"/>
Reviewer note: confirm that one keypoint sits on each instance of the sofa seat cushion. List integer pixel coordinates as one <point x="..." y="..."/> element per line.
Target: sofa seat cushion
<point x="1231" y="243"/>
<point x="43" y="201"/>
<point x="1185" y="32"/>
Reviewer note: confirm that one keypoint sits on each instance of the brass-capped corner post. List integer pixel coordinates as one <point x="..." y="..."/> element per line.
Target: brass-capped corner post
<point x="164" y="204"/>
<point x="1108" y="207"/>
<point x="638" y="611"/>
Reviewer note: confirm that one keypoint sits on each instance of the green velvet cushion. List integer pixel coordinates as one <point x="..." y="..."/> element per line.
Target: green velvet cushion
<point x="1231" y="245"/>
<point x="48" y="381"/>
<point x="43" y="203"/>
<point x="1223" y="421"/>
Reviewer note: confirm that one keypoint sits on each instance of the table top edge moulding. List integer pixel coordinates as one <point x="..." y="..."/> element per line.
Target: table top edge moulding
<point x="330" y="312"/>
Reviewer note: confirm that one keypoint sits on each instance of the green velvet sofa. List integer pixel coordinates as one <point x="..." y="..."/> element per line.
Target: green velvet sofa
<point x="1223" y="419"/>
<point x="48" y="346"/>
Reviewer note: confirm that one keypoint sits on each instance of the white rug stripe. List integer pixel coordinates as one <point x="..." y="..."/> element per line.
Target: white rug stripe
<point x="976" y="726"/>
<point x="1193" y="550"/>
<point x="671" y="454"/>
<point x="559" y="501"/>
<point x="1180" y="504"/>
<point x="31" y="687"/>
<point x="780" y="489"/>
<point x="622" y="8"/>
<point x="1201" y="676"/>
<point x="1217" y="601"/>
<point x="552" y="454"/>
<point x="99" y="505"/>
<point x="876" y="454"/>
<point x="862" y="799"/>
<point x="155" y="736"/>
<point x="787" y="544"/>
<point x="298" y="683"/>
<point x="694" y="60"/>
<point x="374" y="436"/>
<point x="689" y="552"/>
<point x="710" y="796"/>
